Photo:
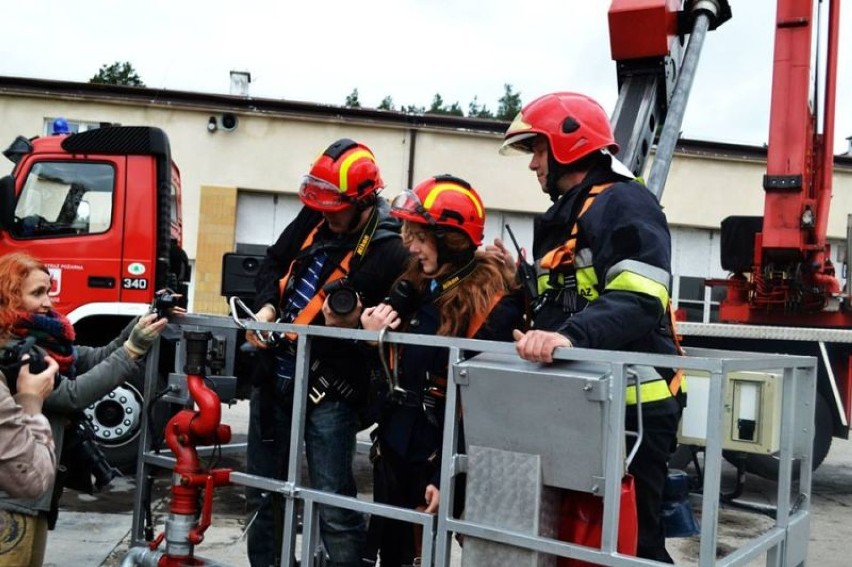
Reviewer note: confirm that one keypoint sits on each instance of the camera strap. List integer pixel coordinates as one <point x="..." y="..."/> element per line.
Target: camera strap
<point x="441" y="287"/>
<point x="347" y="264"/>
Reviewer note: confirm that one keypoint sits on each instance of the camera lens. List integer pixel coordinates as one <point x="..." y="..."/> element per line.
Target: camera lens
<point x="343" y="300"/>
<point x="250" y="265"/>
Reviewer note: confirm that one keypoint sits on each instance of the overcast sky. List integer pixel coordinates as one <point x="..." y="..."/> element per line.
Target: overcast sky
<point x="319" y="51"/>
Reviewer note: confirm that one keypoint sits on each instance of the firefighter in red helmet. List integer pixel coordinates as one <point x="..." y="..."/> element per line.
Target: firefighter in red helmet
<point x="602" y="259"/>
<point x="450" y="288"/>
<point x="341" y="253"/>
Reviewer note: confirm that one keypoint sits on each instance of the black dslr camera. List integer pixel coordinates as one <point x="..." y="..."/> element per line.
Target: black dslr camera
<point x="11" y="360"/>
<point x="342" y="297"/>
<point x="403" y="298"/>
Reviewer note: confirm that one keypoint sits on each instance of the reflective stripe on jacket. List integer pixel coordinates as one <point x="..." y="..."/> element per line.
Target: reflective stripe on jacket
<point x="621" y="266"/>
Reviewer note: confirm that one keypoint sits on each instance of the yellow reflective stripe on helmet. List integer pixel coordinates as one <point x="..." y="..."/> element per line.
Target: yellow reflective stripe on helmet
<point x="651" y="392"/>
<point x="343" y="186"/>
<point x="630" y="275"/>
<point x="587" y="282"/>
<point x="441" y="187"/>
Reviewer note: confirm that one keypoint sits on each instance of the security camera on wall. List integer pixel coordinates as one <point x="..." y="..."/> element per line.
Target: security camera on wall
<point x="228" y="122"/>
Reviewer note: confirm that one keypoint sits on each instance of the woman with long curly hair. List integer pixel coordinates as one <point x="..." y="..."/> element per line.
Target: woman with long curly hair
<point x="453" y="290"/>
<point x="87" y="373"/>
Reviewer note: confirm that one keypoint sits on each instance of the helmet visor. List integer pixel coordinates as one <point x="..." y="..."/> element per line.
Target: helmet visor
<point x="321" y="195"/>
<point x="518" y="143"/>
<point x="407" y="206"/>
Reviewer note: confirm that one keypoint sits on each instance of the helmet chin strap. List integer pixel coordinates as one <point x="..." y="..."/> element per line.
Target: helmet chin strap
<point x="555" y="171"/>
<point x="360" y="206"/>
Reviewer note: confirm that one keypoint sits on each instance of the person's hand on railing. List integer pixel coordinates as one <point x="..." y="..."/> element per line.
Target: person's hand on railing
<point x="266" y="314"/>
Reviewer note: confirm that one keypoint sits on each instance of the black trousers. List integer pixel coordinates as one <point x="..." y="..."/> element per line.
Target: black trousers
<point x="398" y="483"/>
<point x="650" y="470"/>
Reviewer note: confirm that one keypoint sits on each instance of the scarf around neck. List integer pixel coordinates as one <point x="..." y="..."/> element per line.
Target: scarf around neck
<point x="54" y="333"/>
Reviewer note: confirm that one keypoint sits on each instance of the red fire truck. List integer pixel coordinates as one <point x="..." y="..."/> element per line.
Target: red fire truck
<point x="102" y="209"/>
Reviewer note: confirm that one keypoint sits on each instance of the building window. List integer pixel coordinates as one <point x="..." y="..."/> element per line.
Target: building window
<point x="74" y="126"/>
<point x="700" y="303"/>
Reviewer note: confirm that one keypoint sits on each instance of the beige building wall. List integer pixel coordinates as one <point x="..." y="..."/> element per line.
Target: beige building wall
<point x="703" y="190"/>
<point x="269" y="152"/>
<point x="272" y="153"/>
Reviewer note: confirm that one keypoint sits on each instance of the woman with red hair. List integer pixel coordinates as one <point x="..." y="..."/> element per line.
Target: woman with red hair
<point x="87" y="373"/>
<point x="451" y="289"/>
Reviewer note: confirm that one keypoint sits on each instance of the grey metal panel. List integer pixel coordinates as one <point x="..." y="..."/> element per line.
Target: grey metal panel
<point x="262" y="216"/>
<point x="798" y="534"/>
<point x="765" y="332"/>
<point x="504" y="490"/>
<point x="565" y="423"/>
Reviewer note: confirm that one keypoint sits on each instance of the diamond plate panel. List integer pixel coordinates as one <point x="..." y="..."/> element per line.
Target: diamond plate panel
<point x="504" y="490"/>
<point x="764" y="332"/>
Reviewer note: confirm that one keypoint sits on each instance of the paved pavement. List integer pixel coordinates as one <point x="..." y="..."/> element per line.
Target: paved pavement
<point x="92" y="531"/>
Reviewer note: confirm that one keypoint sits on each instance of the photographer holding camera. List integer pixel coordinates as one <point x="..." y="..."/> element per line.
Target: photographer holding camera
<point x="341" y="251"/>
<point x="27" y="458"/>
<point x="449" y="289"/>
<point x="87" y="374"/>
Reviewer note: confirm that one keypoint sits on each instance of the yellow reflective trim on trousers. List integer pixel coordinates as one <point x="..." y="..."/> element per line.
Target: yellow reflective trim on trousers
<point x="653" y="391"/>
<point x="587" y="281"/>
<point x="628" y="281"/>
<point x="347" y="163"/>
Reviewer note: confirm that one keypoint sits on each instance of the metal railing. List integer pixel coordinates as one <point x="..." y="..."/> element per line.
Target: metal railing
<point x="785" y="543"/>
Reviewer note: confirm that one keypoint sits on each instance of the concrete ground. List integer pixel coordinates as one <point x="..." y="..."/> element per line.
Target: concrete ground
<point x="93" y="531"/>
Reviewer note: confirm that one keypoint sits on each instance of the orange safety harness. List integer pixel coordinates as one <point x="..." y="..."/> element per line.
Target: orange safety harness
<point x="314" y="306"/>
<point x="562" y="258"/>
<point x="563" y="255"/>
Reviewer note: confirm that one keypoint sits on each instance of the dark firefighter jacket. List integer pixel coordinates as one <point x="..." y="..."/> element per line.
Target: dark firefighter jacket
<point x="381" y="265"/>
<point x="405" y="428"/>
<point x="624" y="238"/>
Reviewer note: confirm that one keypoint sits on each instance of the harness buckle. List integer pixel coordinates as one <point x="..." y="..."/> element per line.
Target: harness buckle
<point x="315" y="395"/>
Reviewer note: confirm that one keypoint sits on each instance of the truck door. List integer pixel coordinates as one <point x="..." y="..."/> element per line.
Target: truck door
<point x="66" y="215"/>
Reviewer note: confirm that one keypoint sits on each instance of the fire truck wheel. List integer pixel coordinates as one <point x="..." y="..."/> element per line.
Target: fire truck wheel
<point x="117" y="421"/>
<point x="767" y="466"/>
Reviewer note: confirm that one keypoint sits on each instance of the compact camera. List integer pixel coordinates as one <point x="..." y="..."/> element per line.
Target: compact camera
<point x="342" y="297"/>
<point x="164" y="300"/>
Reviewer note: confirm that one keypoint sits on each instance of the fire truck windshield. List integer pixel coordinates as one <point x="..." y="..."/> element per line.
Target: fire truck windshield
<point x="65" y="199"/>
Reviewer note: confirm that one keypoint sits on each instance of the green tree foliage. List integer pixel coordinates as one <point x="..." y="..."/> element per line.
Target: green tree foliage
<point x="119" y="73"/>
<point x="475" y="110"/>
<point x="509" y="104"/>
<point x="438" y="107"/>
<point x="437" y="104"/>
<point x="352" y="100"/>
